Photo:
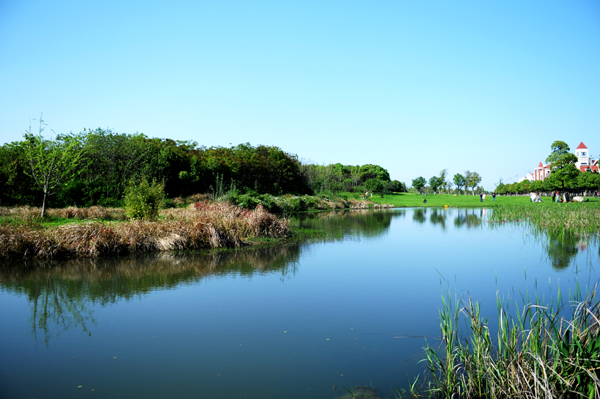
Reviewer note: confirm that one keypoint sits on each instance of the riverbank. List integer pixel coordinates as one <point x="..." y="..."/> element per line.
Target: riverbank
<point x="408" y="200"/>
<point x="216" y="225"/>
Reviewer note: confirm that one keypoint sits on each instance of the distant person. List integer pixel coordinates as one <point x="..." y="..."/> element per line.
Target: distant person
<point x="425" y="201"/>
<point x="553" y="196"/>
<point x="493" y="197"/>
<point x="480" y="197"/>
<point x="484" y="196"/>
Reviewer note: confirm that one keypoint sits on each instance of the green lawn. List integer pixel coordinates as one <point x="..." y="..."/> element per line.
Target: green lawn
<point x="414" y="200"/>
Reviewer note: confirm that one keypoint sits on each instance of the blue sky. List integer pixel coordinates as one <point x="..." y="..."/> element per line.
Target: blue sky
<point x="413" y="86"/>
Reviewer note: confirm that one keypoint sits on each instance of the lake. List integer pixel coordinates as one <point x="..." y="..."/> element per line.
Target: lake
<point x="294" y="321"/>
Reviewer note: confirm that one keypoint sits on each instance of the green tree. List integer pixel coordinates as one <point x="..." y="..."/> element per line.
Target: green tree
<point x="588" y="181"/>
<point x="419" y="183"/>
<point x="397" y="186"/>
<point x="375" y="185"/>
<point x="460" y="181"/>
<point x="563" y="173"/>
<point x="373" y="172"/>
<point x="52" y="162"/>
<point x="435" y="183"/>
<point x="472" y="179"/>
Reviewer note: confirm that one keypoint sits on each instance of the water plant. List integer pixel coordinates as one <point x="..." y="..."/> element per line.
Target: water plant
<point x="556" y="219"/>
<point x="544" y="350"/>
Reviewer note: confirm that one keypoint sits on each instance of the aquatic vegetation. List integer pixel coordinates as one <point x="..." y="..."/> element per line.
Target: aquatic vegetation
<point x="544" y="350"/>
<point x="560" y="219"/>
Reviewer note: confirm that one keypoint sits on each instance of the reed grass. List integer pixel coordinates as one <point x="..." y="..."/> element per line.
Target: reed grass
<point x="200" y="226"/>
<point x="543" y="351"/>
<point x="558" y="219"/>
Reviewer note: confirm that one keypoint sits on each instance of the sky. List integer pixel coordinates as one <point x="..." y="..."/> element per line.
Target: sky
<point x="413" y="86"/>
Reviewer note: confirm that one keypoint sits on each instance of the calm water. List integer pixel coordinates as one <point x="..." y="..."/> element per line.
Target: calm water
<point x="300" y="321"/>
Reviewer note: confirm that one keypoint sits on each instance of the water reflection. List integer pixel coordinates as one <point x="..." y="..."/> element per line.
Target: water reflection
<point x="61" y="295"/>
<point x="469" y="218"/>
<point x="349" y="224"/>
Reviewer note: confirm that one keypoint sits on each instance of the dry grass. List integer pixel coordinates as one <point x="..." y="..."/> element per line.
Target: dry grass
<point x="203" y="225"/>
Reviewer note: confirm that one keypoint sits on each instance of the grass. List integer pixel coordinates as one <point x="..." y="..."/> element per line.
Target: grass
<point x="561" y="221"/>
<point x="550" y="351"/>
<point x="462" y="201"/>
<point x="199" y="227"/>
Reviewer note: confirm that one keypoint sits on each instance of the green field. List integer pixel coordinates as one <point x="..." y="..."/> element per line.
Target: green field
<point x="462" y="201"/>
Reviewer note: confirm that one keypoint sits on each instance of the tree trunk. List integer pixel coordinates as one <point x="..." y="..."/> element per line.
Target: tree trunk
<point x="44" y="206"/>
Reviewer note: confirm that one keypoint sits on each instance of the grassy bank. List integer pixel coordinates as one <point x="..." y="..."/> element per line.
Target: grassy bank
<point x="461" y="201"/>
<point x="217" y="225"/>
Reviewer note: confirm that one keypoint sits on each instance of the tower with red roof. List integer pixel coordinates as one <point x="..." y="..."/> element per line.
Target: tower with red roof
<point x="584" y="161"/>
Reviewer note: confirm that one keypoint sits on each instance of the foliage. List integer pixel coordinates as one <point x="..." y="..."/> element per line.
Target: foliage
<point x="109" y="160"/>
<point x="376" y="185"/>
<point x="460" y="181"/>
<point x="435" y="183"/>
<point x="396" y="186"/>
<point x="562" y="166"/>
<point x="419" y="183"/>
<point x="52" y="162"/>
<point x="472" y="180"/>
<point x="144" y="200"/>
<point x="338" y="177"/>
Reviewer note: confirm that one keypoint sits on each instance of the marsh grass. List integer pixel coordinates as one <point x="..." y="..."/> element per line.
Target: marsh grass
<point x="201" y="226"/>
<point x="559" y="220"/>
<point x="543" y="351"/>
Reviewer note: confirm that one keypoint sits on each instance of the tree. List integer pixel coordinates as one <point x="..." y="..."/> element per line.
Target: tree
<point x="419" y="183"/>
<point x="375" y="185"/>
<point x="397" y="186"/>
<point x="53" y="162"/>
<point x="588" y="181"/>
<point x="435" y="182"/>
<point x="442" y="178"/>
<point x="373" y="172"/>
<point x="460" y="181"/>
<point x="473" y="179"/>
<point x="563" y="173"/>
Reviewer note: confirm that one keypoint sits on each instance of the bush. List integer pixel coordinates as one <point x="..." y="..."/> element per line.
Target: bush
<point x="144" y="200"/>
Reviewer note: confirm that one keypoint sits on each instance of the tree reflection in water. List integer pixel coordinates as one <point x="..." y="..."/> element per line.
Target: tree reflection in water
<point x="63" y="295"/>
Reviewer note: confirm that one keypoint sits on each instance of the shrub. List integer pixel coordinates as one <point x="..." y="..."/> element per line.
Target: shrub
<point x="144" y="200"/>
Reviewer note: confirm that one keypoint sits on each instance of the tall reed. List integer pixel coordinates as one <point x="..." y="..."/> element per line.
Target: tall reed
<point x="543" y="351"/>
<point x="556" y="219"/>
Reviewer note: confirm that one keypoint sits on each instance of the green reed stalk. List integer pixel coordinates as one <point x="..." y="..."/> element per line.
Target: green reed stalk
<point x="542" y="351"/>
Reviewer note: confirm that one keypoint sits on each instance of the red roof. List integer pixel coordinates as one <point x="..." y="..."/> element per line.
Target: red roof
<point x="540" y="166"/>
<point x="590" y="167"/>
<point x="582" y="146"/>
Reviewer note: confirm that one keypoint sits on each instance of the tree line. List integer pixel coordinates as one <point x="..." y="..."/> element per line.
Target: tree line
<point x="444" y="184"/>
<point x="564" y="175"/>
<point x="94" y="167"/>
